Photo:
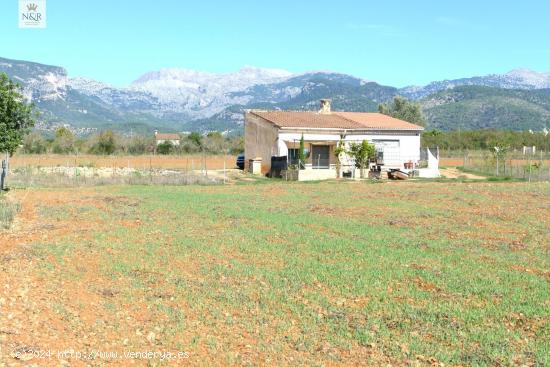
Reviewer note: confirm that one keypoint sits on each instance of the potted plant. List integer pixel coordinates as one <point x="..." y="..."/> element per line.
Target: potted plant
<point x="362" y="152"/>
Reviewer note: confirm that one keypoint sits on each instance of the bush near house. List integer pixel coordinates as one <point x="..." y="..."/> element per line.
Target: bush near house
<point x="362" y="153"/>
<point x="165" y="147"/>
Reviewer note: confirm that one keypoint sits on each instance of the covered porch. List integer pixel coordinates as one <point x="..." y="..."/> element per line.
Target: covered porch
<point x="319" y="154"/>
<point x="320" y="162"/>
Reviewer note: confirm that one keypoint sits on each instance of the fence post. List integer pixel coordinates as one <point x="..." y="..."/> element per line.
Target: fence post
<point x="224" y="172"/>
<point x="529" y="163"/>
<point x="3" y="175"/>
<point x="150" y="170"/>
<point x="204" y="164"/>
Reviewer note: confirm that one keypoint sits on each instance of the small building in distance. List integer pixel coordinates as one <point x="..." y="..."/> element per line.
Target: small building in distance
<point x="161" y="138"/>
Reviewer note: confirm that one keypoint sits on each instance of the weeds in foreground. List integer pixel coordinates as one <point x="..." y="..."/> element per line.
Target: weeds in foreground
<point x="8" y="211"/>
<point x="322" y="273"/>
<point x="26" y="177"/>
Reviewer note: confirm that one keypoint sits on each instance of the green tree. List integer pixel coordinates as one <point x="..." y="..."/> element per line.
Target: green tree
<point x="485" y="139"/>
<point x="401" y="108"/>
<point x="16" y="116"/>
<point x="64" y="141"/>
<point x="236" y="145"/>
<point x="195" y="138"/>
<point x="214" y="135"/>
<point x="362" y="153"/>
<point x="215" y="143"/>
<point x="139" y="145"/>
<point x="165" y="148"/>
<point x="105" y="144"/>
<point x="34" y="143"/>
<point x="302" y="151"/>
<point x="499" y="151"/>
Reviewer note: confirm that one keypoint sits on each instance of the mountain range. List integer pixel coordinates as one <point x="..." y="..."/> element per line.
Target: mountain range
<point x="189" y="100"/>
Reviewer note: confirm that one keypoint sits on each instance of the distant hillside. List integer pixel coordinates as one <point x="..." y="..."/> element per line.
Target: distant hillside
<point x="347" y="94"/>
<point x="188" y="100"/>
<point x="476" y="107"/>
<point x="515" y="79"/>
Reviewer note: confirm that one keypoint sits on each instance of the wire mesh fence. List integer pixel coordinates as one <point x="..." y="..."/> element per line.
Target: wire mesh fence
<point x="86" y="170"/>
<point x="514" y="164"/>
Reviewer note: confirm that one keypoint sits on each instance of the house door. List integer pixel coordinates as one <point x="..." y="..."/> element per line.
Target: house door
<point x="320" y="156"/>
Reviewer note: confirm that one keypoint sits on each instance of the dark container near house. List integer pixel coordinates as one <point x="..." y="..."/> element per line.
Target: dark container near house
<point x="278" y="164"/>
<point x="240" y="161"/>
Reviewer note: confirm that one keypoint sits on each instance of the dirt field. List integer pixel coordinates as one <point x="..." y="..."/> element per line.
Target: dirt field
<point x="451" y="162"/>
<point x="275" y="273"/>
<point x="452" y="172"/>
<point x="189" y="162"/>
<point x="458" y="162"/>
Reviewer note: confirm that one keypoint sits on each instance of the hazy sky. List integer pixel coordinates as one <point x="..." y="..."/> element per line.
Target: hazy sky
<point x="392" y="42"/>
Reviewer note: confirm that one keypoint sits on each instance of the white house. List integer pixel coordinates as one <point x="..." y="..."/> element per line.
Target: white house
<point x="278" y="133"/>
<point x="161" y="138"/>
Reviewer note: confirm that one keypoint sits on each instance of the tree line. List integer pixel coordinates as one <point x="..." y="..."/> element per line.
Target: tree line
<point x="479" y="139"/>
<point x="17" y="118"/>
<point x="485" y="139"/>
<point x="108" y="142"/>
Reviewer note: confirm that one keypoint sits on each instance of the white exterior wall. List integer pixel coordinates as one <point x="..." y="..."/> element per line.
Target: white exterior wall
<point x="174" y="142"/>
<point x="295" y="137"/>
<point x="409" y="142"/>
<point x="316" y="174"/>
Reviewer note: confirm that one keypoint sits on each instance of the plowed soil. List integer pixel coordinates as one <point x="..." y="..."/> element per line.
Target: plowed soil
<point x="290" y="274"/>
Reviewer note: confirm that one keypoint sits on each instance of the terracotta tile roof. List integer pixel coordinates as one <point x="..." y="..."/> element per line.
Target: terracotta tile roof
<point x="161" y="136"/>
<point x="335" y="120"/>
<point x="306" y="119"/>
<point x="378" y="121"/>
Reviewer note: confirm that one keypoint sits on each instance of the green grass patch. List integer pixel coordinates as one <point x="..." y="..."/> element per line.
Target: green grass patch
<point x="8" y="211"/>
<point x="450" y="271"/>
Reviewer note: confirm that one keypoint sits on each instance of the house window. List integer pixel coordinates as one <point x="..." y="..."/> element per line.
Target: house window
<point x="388" y="151"/>
<point x="320" y="156"/>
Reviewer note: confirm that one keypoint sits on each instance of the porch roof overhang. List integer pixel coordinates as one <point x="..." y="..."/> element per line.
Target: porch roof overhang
<point x="314" y="142"/>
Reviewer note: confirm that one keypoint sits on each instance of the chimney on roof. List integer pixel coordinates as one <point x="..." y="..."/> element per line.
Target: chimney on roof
<point x="325" y="106"/>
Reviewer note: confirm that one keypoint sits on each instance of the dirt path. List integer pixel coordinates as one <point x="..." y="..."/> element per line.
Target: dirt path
<point x="454" y="172"/>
